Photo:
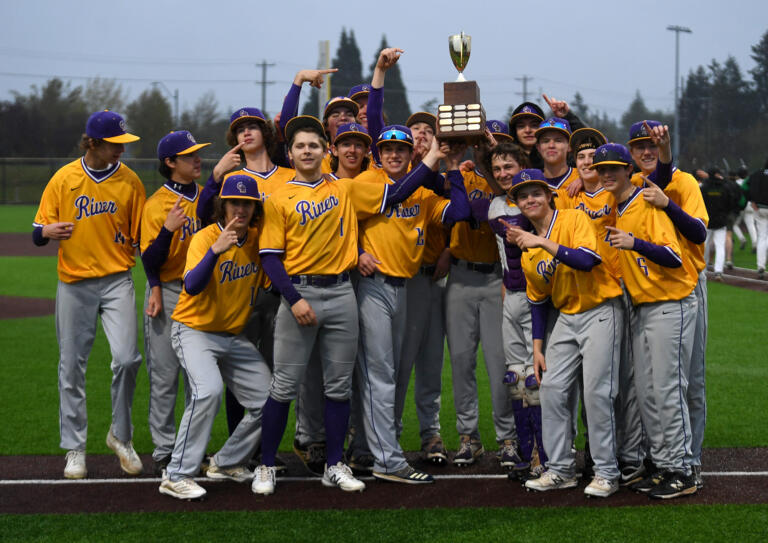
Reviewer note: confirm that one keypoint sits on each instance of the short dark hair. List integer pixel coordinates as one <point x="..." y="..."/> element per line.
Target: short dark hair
<point x="87" y="142"/>
<point x="507" y="148"/>
<point x="219" y="214"/>
<point x="311" y="130"/>
<point x="164" y="169"/>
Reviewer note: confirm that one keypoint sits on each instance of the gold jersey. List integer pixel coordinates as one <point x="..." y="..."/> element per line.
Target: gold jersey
<point x="475" y="242"/>
<point x="267" y="181"/>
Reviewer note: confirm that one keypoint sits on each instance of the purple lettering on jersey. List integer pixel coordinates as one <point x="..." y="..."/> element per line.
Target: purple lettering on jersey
<point x="602" y="212"/>
<point x="87" y="207"/>
<point x="231" y="272"/>
<point x="401" y="212"/>
<point x="190" y="227"/>
<point x="546" y="268"/>
<point x="477" y="194"/>
<point x="313" y="210"/>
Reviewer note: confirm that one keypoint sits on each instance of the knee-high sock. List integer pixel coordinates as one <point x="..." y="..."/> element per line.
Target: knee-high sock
<point x="524" y="434"/>
<point x="534" y="412"/>
<point x="274" y="417"/>
<point x="235" y="411"/>
<point x="336" y="423"/>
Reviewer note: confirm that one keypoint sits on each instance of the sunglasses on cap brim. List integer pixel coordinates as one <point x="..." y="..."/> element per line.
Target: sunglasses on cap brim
<point x="394" y="135"/>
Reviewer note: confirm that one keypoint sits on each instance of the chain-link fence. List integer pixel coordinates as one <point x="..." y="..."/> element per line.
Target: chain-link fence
<point x="22" y="180"/>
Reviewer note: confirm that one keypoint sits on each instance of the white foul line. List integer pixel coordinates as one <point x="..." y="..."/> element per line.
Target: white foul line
<point x="12" y="482"/>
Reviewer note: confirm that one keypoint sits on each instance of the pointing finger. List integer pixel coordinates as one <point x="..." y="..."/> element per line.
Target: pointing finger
<point x="233" y="221"/>
<point x="237" y="147"/>
<point x="547" y="100"/>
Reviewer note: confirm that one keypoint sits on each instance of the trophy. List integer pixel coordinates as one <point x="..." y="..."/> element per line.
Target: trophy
<point x="461" y="117"/>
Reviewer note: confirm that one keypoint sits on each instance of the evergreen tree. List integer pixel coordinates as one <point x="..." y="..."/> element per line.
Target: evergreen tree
<point x="310" y="106"/>
<point x="396" y="108"/>
<point x="150" y="117"/>
<point x="638" y="111"/>
<point x="350" y="66"/>
<point x="207" y="124"/>
<point x="760" y="71"/>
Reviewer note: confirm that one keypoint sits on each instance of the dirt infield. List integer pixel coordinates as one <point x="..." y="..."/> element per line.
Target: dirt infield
<point x="33" y="484"/>
<point x="20" y="244"/>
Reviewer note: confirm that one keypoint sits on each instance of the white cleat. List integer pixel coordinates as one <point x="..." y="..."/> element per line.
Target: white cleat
<point x="601" y="487"/>
<point x="129" y="460"/>
<point x="551" y="481"/>
<point x="75" y="468"/>
<point x="239" y="474"/>
<point x="263" y="480"/>
<point x="341" y="476"/>
<point x="185" y="489"/>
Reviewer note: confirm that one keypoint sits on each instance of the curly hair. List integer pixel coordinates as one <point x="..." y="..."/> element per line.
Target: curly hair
<point x="220" y="214"/>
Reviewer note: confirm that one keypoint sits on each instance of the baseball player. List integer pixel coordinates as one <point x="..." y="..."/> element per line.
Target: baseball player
<point x="552" y="139"/>
<point x="525" y="119"/>
<point x="359" y="94"/>
<point x="472" y="300"/>
<point x="424" y="341"/>
<point x="92" y="207"/>
<point x="308" y="246"/>
<point x="663" y="322"/>
<point x="221" y="278"/>
<point x="597" y="204"/>
<point x="757" y="192"/>
<point x="562" y="265"/>
<point x="168" y="222"/>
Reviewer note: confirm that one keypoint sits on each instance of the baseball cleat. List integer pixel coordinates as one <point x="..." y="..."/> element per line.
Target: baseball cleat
<point x="697" y="478"/>
<point x="312" y="456"/>
<point x="239" y="474"/>
<point x="184" y="489"/>
<point x="341" y="476"/>
<point x="469" y="449"/>
<point x="361" y="464"/>
<point x="263" y="480"/>
<point x="407" y="475"/>
<point x="674" y="485"/>
<point x="601" y="487"/>
<point x="510" y="458"/>
<point x="549" y="480"/>
<point x="161" y="464"/>
<point x="434" y="451"/>
<point x="129" y="460"/>
<point x="649" y="482"/>
<point x="631" y="474"/>
<point x="75" y="468"/>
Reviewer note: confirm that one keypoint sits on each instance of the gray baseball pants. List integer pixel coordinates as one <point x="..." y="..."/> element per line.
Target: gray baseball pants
<point x="212" y="360"/>
<point x="163" y="369"/>
<point x="424" y="348"/>
<point x="473" y="309"/>
<point x="697" y="389"/>
<point x="589" y="344"/>
<point x="662" y="339"/>
<point x="78" y="306"/>
<point x="382" y="309"/>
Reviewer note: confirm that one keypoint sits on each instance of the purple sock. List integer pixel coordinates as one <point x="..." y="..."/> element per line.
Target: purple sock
<point x="336" y="423"/>
<point x="523" y="427"/>
<point x="274" y="417"/>
<point x="535" y="413"/>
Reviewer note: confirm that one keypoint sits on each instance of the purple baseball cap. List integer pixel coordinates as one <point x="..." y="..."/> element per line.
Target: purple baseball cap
<point x="611" y="153"/>
<point x="246" y="113"/>
<point x="178" y="143"/>
<point x="422" y="117"/>
<point x="637" y="131"/>
<point x="108" y="126"/>
<point x="347" y="130"/>
<point x="529" y="176"/>
<point x="554" y="123"/>
<point x="358" y="91"/>
<point x="498" y="128"/>
<point x="240" y="186"/>
<point x="395" y="132"/>
<point x="340" y="101"/>
<point x="526" y="109"/>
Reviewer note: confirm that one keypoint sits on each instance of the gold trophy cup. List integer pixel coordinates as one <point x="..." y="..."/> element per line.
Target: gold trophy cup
<point x="461" y="117"/>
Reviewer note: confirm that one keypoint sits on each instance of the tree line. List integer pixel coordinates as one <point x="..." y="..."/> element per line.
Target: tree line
<point x="723" y="112"/>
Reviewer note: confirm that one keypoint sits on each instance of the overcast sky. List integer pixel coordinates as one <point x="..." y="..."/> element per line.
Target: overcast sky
<point x="604" y="50"/>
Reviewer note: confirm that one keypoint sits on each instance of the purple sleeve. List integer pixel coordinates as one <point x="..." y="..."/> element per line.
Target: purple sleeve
<point x="658" y="254"/>
<point x="662" y="175"/>
<point x="37" y="236"/>
<point x="435" y="183"/>
<point x="275" y="270"/>
<point x="404" y="187"/>
<point x="205" y="201"/>
<point x="539" y="320"/>
<point x="290" y="106"/>
<point x="155" y="255"/>
<point x="479" y="209"/>
<point x="690" y="227"/>
<point x="579" y="259"/>
<point x="375" y="119"/>
<point x="197" y="278"/>
<point x="458" y="209"/>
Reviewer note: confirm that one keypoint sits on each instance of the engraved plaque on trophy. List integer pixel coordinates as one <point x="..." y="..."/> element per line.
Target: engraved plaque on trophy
<point x="462" y="116"/>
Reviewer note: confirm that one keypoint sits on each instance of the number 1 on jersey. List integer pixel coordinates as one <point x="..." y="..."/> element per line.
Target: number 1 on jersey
<point x="341" y="227"/>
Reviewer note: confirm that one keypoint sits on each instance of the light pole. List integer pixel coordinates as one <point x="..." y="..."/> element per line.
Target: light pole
<point x="175" y="96"/>
<point x="676" y="138"/>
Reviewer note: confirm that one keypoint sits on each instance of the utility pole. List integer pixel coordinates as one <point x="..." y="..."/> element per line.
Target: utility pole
<point x="264" y="65"/>
<point x="323" y="63"/>
<point x="676" y="138"/>
<point x="175" y="96"/>
<point x="525" y="79"/>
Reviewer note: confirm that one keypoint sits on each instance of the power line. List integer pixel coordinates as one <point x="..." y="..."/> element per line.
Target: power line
<point x="525" y="80"/>
<point x="264" y="65"/>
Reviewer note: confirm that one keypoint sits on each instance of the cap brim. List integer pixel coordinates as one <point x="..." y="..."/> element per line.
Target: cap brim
<point x="302" y="121"/>
<point x="546" y="128"/>
<point x="239" y="197"/>
<point x="594" y="166"/>
<point x="502" y="135"/>
<point x="193" y="148"/>
<point x="122" y="138"/>
<point x="358" y="94"/>
<point x="365" y="137"/>
<point x="342" y="102"/>
<point x="516" y="117"/>
<point x="382" y="142"/>
<point x="513" y="190"/>
<point x="246" y="118"/>
<point x="422" y="117"/>
<point x="635" y="140"/>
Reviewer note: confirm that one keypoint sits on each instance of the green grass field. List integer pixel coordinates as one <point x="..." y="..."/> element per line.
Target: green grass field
<point x="736" y="373"/>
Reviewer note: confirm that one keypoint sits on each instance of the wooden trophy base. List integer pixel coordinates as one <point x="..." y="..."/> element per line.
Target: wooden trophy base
<point x="462" y="116"/>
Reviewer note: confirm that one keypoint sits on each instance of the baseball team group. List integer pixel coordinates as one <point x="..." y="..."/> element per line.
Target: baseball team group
<point x="326" y="261"/>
